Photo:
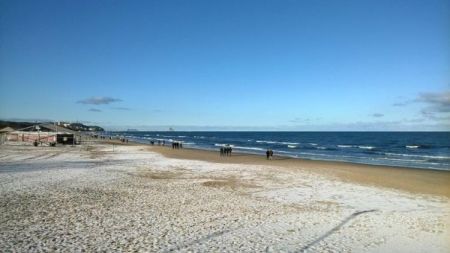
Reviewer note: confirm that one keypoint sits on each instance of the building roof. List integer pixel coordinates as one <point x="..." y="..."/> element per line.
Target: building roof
<point x="6" y="129"/>
<point x="58" y="128"/>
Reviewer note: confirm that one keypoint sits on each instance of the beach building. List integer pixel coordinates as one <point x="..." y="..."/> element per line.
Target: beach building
<point x="41" y="133"/>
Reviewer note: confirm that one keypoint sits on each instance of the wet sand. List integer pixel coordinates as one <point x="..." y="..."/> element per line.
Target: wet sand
<point x="407" y="179"/>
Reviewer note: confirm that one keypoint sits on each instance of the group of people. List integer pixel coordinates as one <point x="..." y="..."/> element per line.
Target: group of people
<point x="226" y="151"/>
<point x="177" y="145"/>
<point x="269" y="154"/>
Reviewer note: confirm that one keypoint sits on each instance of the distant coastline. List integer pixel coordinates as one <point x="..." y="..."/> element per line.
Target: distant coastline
<point x="75" y="126"/>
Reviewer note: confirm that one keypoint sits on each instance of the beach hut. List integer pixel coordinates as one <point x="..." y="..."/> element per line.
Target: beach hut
<point x="41" y="134"/>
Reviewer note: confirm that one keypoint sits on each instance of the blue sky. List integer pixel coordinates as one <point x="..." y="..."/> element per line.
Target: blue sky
<point x="228" y="65"/>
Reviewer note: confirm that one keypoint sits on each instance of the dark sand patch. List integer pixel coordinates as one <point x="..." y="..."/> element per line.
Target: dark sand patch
<point x="230" y="182"/>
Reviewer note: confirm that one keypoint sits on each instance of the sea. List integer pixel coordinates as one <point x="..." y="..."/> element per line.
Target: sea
<point x="425" y="150"/>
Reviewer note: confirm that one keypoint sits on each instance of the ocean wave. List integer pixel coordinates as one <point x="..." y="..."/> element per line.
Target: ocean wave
<point x="313" y="154"/>
<point x="284" y="152"/>
<point x="325" y="148"/>
<point x="291" y="146"/>
<point x="420" y="156"/>
<point x="290" y="143"/>
<point x="249" y="148"/>
<point x="345" y="146"/>
<point x="222" y="145"/>
<point x="396" y="159"/>
<point x="189" y="143"/>
<point x="278" y="142"/>
<point x="166" y="140"/>
<point x="269" y="142"/>
<point x="366" y="147"/>
<point x="313" y="144"/>
<point x="420" y="146"/>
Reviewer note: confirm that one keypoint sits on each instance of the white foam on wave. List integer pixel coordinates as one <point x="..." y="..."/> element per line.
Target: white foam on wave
<point x="366" y="147"/>
<point x="269" y="142"/>
<point x="283" y="152"/>
<point x="290" y="143"/>
<point x="278" y="142"/>
<point x="249" y="148"/>
<point x="223" y="145"/>
<point x="412" y="146"/>
<point x="345" y="146"/>
<point x="419" y="156"/>
<point x="291" y="146"/>
<point x="397" y="159"/>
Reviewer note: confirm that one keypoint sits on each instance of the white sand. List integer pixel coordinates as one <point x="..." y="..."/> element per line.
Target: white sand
<point x="74" y="199"/>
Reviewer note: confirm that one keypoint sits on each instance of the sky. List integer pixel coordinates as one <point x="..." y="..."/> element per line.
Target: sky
<point x="228" y="65"/>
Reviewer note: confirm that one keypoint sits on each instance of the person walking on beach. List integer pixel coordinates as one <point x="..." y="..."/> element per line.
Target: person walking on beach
<point x="270" y="154"/>
<point x="267" y="154"/>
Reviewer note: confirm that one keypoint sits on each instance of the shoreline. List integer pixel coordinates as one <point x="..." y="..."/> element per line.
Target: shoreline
<point x="282" y="157"/>
<point x="413" y="180"/>
<point x="421" y="150"/>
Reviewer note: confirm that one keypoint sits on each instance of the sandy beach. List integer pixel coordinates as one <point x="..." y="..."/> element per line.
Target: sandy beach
<point x="149" y="198"/>
<point x="406" y="179"/>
